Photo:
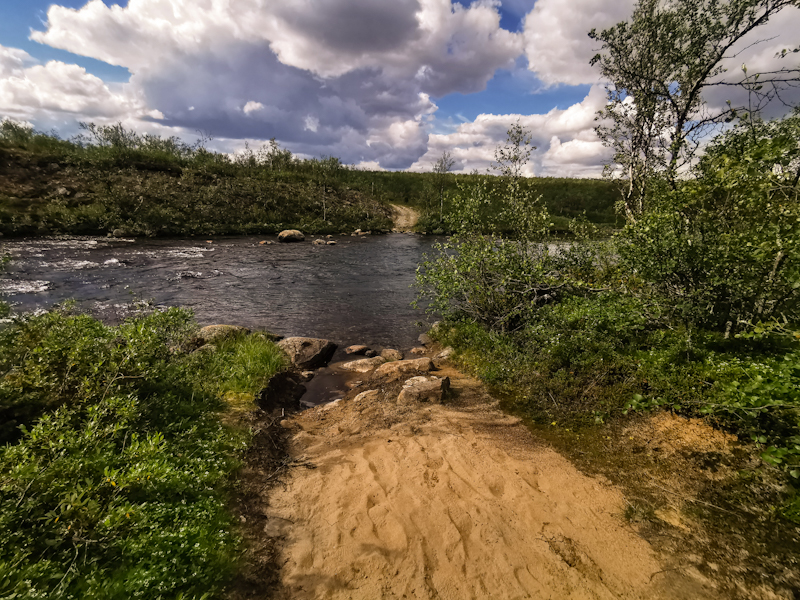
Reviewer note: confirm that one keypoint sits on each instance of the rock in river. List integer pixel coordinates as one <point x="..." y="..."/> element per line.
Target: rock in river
<point x="364" y="365"/>
<point x="290" y="235"/>
<point x="396" y="369"/>
<point x="308" y="353"/>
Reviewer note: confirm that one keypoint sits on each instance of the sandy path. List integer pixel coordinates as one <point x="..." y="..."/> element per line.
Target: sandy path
<point x="452" y="502"/>
<point x="404" y="217"/>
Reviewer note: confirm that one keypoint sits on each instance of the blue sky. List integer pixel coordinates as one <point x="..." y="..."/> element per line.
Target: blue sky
<point x="379" y="84"/>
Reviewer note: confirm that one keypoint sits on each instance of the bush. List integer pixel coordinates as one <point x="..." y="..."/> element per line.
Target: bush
<point x="722" y="249"/>
<point x="115" y="486"/>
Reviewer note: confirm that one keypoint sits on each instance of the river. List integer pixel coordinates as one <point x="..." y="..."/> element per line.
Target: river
<point x="357" y="291"/>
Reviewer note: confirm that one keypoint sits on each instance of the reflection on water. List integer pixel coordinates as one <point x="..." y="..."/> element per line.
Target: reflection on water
<point x="357" y="291"/>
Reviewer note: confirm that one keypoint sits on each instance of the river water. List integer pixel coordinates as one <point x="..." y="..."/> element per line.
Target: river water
<point x="357" y="291"/>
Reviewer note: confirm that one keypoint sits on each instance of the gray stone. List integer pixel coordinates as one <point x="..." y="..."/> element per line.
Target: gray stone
<point x="424" y="389"/>
<point x="391" y="354"/>
<point x="308" y="353"/>
<point x="364" y="365"/>
<point x="356" y="349"/>
<point x="217" y="333"/>
<point x="290" y="235"/>
<point x="398" y="368"/>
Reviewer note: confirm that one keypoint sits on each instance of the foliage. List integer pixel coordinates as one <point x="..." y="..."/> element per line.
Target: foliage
<point x="494" y="280"/>
<point x="115" y="488"/>
<point x="660" y="63"/>
<point x="722" y="249"/>
<point x="111" y="179"/>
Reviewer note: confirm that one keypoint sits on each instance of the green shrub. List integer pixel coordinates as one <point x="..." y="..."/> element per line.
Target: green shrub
<point x="115" y="485"/>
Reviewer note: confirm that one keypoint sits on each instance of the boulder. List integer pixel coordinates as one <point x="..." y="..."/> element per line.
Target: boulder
<point x="356" y="349"/>
<point x="368" y="396"/>
<point x="424" y="389"/>
<point x="398" y="368"/>
<point x="319" y="242"/>
<point x="364" y="365"/>
<point x="290" y="235"/>
<point x="446" y="353"/>
<point x="308" y="353"/>
<point x="218" y="333"/>
<point x="390" y="354"/>
<point x="205" y="349"/>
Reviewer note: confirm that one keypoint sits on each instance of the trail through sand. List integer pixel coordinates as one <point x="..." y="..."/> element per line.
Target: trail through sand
<point x="404" y="217"/>
<point x="451" y="501"/>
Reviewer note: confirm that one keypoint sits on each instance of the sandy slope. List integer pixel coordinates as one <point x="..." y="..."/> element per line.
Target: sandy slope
<point x="452" y="502"/>
<point x="404" y="217"/>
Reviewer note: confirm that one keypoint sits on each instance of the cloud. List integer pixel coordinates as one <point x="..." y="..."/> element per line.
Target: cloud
<point x="57" y="87"/>
<point x="557" y="43"/>
<point x="565" y="141"/>
<point x="314" y="74"/>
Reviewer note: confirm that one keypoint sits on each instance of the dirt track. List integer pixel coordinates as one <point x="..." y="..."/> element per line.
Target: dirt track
<point x="404" y="217"/>
<point x="452" y="502"/>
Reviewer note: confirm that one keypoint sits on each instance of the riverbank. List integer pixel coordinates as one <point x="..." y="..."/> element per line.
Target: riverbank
<point x="381" y="497"/>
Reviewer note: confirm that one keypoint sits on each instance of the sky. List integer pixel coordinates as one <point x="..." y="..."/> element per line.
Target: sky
<point x="379" y="84"/>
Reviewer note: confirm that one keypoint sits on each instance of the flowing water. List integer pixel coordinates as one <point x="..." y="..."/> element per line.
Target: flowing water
<point x="357" y="291"/>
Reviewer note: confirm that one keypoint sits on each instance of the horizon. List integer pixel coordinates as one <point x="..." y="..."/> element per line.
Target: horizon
<point x="380" y="86"/>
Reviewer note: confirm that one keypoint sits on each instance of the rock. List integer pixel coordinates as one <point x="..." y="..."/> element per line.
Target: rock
<point x="319" y="243"/>
<point x="308" y="353"/>
<point x="118" y="233"/>
<point x="206" y="349"/>
<point x="425" y="339"/>
<point x="370" y="353"/>
<point x="396" y="369"/>
<point x="328" y="236"/>
<point x="418" y="351"/>
<point x="331" y="243"/>
<point x="364" y="365"/>
<point x="286" y="424"/>
<point x="356" y="349"/>
<point x="219" y="333"/>
<point x="262" y="243"/>
<point x="390" y="354"/>
<point x="368" y="396"/>
<point x="446" y="353"/>
<point x="330" y="405"/>
<point x="282" y="391"/>
<point x="290" y="235"/>
<point x="424" y="389"/>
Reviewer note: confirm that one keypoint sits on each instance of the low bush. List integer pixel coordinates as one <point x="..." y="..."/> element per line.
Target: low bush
<point x="114" y="486"/>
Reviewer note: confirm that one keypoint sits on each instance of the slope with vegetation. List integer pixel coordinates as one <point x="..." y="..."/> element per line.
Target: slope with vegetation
<point x="110" y="178"/>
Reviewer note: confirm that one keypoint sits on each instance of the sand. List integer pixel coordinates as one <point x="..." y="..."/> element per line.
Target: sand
<point x="452" y="501"/>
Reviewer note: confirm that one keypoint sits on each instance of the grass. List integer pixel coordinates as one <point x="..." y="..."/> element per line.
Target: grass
<point x="116" y="483"/>
<point x="111" y="179"/>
